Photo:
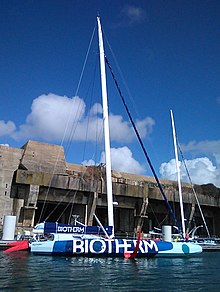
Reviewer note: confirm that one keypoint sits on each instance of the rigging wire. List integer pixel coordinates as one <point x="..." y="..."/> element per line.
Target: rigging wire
<point x="66" y="128"/>
<point x="141" y="143"/>
<point x="194" y="191"/>
<point x="122" y="77"/>
<point x="70" y="203"/>
<point x="56" y="207"/>
<point x="154" y="214"/>
<point x="90" y="105"/>
<point x="130" y="96"/>
<point x="73" y="129"/>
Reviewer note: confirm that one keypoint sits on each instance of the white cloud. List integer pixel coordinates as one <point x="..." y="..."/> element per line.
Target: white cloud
<point x="120" y="130"/>
<point x="145" y="126"/>
<point x="49" y="117"/>
<point x="53" y="117"/>
<point x="96" y="109"/>
<point x="130" y="15"/>
<point x="211" y="148"/>
<point x="89" y="162"/>
<point x="133" y="14"/>
<point x="168" y="170"/>
<point x="201" y="170"/>
<point x="121" y="160"/>
<point x="7" y="128"/>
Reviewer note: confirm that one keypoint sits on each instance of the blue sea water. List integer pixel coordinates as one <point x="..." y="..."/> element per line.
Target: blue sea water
<point x="22" y="271"/>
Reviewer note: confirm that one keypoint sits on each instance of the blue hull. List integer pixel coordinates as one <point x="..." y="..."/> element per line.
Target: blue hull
<point x="94" y="247"/>
<point x="98" y="247"/>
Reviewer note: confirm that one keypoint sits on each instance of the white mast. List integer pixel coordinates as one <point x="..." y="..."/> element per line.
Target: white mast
<point x="106" y="129"/>
<point x="178" y="175"/>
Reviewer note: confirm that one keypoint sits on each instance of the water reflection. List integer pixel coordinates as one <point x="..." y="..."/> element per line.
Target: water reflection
<point x="24" y="272"/>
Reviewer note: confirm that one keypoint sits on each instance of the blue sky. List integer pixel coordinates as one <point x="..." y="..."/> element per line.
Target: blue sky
<point x="168" y="53"/>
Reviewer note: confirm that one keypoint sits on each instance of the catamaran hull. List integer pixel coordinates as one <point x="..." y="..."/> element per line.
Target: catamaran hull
<point x="170" y="249"/>
<point x="94" y="247"/>
<point x="113" y="248"/>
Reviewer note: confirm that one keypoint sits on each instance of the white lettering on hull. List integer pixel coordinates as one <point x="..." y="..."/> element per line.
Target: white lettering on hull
<point x="111" y="246"/>
<point x="70" y="229"/>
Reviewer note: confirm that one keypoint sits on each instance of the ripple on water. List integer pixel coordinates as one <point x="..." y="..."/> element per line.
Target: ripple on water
<point x="24" y="272"/>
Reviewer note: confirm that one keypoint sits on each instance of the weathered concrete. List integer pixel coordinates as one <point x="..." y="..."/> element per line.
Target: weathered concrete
<point x="42" y="157"/>
<point x="37" y="177"/>
<point x="9" y="162"/>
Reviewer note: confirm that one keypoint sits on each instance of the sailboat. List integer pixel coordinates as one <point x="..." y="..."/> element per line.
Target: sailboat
<point x="178" y="176"/>
<point x="209" y="241"/>
<point x="93" y="241"/>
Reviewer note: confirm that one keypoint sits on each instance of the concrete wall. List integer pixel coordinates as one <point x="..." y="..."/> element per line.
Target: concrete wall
<point x="38" y="173"/>
<point x="43" y="157"/>
<point x="9" y="162"/>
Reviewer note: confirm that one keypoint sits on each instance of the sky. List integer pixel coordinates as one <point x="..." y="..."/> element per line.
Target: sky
<point x="166" y="55"/>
